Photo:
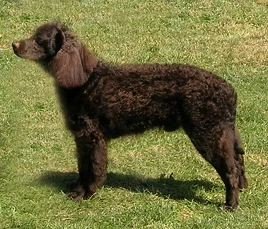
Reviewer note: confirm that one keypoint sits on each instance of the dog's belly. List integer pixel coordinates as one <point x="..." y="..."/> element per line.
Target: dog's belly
<point x="136" y="119"/>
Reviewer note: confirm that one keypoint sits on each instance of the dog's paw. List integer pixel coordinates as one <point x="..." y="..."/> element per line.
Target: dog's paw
<point x="225" y="207"/>
<point x="80" y="193"/>
<point x="75" y="196"/>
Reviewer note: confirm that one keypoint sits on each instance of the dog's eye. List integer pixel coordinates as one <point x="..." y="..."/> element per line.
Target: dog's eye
<point x="39" y="41"/>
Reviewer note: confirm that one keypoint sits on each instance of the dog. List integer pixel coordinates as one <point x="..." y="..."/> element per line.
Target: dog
<point x="102" y="101"/>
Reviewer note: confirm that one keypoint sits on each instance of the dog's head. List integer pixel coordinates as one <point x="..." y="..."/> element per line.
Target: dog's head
<point x="44" y="44"/>
<point x="60" y="52"/>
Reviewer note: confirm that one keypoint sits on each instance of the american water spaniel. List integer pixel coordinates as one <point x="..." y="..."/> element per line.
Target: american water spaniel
<point x="101" y="101"/>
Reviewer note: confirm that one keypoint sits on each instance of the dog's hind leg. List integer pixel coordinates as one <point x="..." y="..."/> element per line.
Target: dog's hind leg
<point x="218" y="148"/>
<point x="92" y="163"/>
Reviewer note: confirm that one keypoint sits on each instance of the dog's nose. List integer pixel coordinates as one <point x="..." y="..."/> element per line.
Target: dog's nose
<point x="16" y="45"/>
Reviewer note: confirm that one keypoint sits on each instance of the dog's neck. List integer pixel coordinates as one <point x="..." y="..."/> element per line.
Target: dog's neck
<point x="89" y="61"/>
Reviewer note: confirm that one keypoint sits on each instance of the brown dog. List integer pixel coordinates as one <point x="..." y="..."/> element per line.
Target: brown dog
<point x="101" y="102"/>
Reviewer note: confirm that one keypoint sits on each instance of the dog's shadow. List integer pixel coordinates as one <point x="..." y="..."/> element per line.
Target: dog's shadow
<point x="166" y="187"/>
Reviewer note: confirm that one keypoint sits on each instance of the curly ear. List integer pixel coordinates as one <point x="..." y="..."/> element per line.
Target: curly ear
<point x="72" y="65"/>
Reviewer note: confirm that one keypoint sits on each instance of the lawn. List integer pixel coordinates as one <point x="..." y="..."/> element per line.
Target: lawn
<point x="155" y="179"/>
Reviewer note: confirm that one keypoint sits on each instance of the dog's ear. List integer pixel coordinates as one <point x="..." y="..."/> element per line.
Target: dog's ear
<point x="72" y="66"/>
<point x="67" y="68"/>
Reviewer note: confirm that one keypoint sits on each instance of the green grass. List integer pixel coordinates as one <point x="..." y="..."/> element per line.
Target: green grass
<point x="37" y="154"/>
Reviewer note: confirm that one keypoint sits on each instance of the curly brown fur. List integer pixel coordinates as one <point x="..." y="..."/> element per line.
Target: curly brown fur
<point x="102" y="101"/>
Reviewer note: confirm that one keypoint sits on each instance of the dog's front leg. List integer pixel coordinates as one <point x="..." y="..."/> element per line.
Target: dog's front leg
<point x="92" y="163"/>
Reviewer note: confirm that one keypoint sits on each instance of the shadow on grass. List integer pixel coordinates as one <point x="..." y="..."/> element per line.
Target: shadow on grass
<point x="163" y="187"/>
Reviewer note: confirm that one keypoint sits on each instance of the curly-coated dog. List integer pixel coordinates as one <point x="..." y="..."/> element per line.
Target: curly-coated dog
<point x="102" y="101"/>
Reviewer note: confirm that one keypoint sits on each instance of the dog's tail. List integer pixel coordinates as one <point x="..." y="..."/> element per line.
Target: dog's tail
<point x="238" y="146"/>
